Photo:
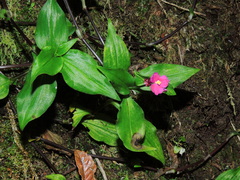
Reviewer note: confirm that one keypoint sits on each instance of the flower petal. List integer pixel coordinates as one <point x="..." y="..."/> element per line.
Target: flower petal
<point x="164" y="81"/>
<point x="155" y="77"/>
<point x="156" y="89"/>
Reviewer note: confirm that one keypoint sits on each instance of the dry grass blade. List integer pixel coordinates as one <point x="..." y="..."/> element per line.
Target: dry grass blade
<point x="86" y="165"/>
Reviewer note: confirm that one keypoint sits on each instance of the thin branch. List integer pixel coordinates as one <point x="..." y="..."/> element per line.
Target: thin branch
<point x="79" y="33"/>
<point x="19" y="23"/>
<point x="92" y="22"/>
<point x="56" y="145"/>
<point x="160" y="4"/>
<point x="120" y="160"/>
<point x="209" y="156"/>
<point x="71" y="151"/>
<point x="100" y="166"/>
<point x="15" y="66"/>
<point x="15" y="25"/>
<point x="44" y="157"/>
<point x="69" y="171"/>
<point x="184" y="9"/>
<point x="199" y="163"/>
<point x="168" y="36"/>
<point x="166" y="170"/>
<point x="177" y="29"/>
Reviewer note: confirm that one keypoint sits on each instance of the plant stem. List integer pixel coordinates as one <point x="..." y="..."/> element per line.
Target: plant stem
<point x="173" y="32"/>
<point x="15" y="66"/>
<point x="71" y="151"/>
<point x="79" y="33"/>
<point x="92" y="22"/>
<point x="204" y="160"/>
<point x="44" y="157"/>
<point x="15" y="25"/>
<point x="169" y="35"/>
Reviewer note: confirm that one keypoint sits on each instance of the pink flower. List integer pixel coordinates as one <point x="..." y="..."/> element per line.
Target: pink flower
<point x="157" y="83"/>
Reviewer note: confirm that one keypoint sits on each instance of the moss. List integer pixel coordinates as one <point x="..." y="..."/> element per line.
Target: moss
<point x="12" y="45"/>
<point x="9" y="49"/>
<point x="12" y="166"/>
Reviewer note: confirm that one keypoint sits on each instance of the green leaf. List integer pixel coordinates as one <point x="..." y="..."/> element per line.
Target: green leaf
<point x="231" y="174"/>
<point x="4" y="86"/>
<point x="151" y="140"/>
<point x="116" y="54"/>
<point x="80" y="73"/>
<point x="131" y="125"/>
<point x="102" y="131"/>
<point x="55" y="177"/>
<point x="121" y="79"/>
<point x="177" y="74"/>
<point x="53" y="28"/>
<point x="64" y="48"/>
<point x="78" y="115"/>
<point x="179" y="150"/>
<point x="34" y="100"/>
<point x="170" y="91"/>
<point x="46" y="63"/>
<point x="4" y="14"/>
<point x="139" y="80"/>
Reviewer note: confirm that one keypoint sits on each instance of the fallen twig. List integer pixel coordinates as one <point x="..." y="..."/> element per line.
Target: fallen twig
<point x="15" y="66"/>
<point x="15" y="25"/>
<point x="44" y="157"/>
<point x="199" y="163"/>
<point x="182" y="8"/>
<point x="92" y="22"/>
<point x="79" y="33"/>
<point x="100" y="166"/>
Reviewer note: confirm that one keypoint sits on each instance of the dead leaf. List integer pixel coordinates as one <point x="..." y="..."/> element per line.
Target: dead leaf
<point x="173" y="156"/>
<point x="53" y="137"/>
<point x="86" y="165"/>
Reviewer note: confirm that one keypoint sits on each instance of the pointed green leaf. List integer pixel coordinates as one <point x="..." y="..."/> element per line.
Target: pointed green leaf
<point x="177" y="74"/>
<point x="102" y="131"/>
<point x="46" y="63"/>
<point x="34" y="100"/>
<point x="4" y="86"/>
<point x="116" y="54"/>
<point x="139" y="80"/>
<point x="78" y="115"/>
<point x="231" y="174"/>
<point x="120" y="79"/>
<point x="131" y="125"/>
<point x="152" y="140"/>
<point x="80" y="73"/>
<point x="55" y="177"/>
<point x="170" y="91"/>
<point x="53" y="28"/>
<point x="64" y="48"/>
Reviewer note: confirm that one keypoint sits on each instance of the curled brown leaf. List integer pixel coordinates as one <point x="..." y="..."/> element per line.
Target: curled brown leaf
<point x="85" y="164"/>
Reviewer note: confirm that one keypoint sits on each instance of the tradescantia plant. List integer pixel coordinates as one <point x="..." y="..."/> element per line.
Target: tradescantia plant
<point x="82" y="73"/>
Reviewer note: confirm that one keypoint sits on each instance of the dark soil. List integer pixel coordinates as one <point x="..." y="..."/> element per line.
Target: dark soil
<point x="204" y="112"/>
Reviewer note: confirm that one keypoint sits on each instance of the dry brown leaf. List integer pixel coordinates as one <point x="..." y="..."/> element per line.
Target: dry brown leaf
<point x="86" y="165"/>
<point x="53" y="137"/>
<point x="173" y="156"/>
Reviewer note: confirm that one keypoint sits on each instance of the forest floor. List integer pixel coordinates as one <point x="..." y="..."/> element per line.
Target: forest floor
<point x="199" y="118"/>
